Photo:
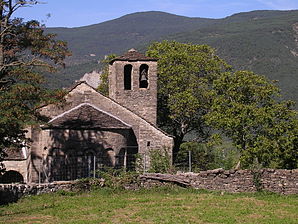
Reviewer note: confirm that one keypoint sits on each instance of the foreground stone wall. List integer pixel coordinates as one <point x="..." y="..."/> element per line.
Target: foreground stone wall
<point x="278" y="181"/>
<point x="13" y="192"/>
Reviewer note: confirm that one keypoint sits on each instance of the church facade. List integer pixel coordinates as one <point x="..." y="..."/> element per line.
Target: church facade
<point x="91" y="130"/>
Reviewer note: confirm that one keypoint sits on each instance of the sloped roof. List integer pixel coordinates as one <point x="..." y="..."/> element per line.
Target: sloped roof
<point x="133" y="55"/>
<point x="86" y="116"/>
<point x="126" y="108"/>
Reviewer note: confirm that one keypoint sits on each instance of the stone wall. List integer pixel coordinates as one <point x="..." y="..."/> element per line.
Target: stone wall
<point x="141" y="101"/>
<point x="278" y="181"/>
<point x="20" y="166"/>
<point x="147" y="135"/>
<point x="12" y="192"/>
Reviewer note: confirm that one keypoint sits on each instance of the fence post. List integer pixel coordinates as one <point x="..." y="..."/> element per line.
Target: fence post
<point x="39" y="173"/>
<point x="144" y="166"/>
<point x="125" y="159"/>
<point x="46" y="178"/>
<point x="189" y="161"/>
<point x="94" y="166"/>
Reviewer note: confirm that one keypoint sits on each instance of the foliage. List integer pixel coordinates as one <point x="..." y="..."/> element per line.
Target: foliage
<point x="246" y="109"/>
<point x="226" y="155"/>
<point x="117" y="178"/>
<point x="261" y="41"/>
<point x="103" y="87"/>
<point x="24" y="51"/>
<point x="160" y="161"/>
<point x="202" y="157"/>
<point x="185" y="72"/>
<point x="205" y="157"/>
<point x="87" y="184"/>
<point x="153" y="206"/>
<point x="257" y="175"/>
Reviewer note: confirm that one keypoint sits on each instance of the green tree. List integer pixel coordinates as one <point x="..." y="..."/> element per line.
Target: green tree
<point x="185" y="72"/>
<point x="202" y="156"/>
<point x="25" y="50"/>
<point x="103" y="87"/>
<point x="245" y="107"/>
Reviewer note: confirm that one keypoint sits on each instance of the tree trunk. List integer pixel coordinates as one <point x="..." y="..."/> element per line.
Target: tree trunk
<point x="178" y="139"/>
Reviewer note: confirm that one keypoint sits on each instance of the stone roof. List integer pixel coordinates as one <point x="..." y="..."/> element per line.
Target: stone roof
<point x="86" y="116"/>
<point x="133" y="55"/>
<point x="13" y="153"/>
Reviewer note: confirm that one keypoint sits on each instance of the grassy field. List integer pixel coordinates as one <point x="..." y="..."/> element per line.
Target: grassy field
<point x="152" y="206"/>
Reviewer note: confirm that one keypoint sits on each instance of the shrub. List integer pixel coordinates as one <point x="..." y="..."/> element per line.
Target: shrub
<point x="204" y="157"/>
<point x="117" y="178"/>
<point x="160" y="161"/>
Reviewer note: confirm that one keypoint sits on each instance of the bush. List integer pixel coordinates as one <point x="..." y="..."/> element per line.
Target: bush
<point x="117" y="178"/>
<point x="160" y="161"/>
<point x="204" y="157"/>
<point x="87" y="184"/>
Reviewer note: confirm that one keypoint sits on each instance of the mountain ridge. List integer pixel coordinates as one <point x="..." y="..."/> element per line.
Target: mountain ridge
<point x="262" y="41"/>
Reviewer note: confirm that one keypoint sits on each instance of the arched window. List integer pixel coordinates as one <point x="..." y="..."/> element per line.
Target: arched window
<point x="143" y="77"/>
<point x="127" y="77"/>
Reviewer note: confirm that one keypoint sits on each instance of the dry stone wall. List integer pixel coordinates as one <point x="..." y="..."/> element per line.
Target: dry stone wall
<point x="12" y="192"/>
<point x="278" y="181"/>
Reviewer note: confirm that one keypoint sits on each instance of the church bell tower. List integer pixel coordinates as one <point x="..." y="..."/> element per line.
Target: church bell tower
<point x="133" y="83"/>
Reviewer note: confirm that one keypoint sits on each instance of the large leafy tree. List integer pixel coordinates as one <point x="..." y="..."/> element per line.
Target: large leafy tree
<point x="185" y="73"/>
<point x="199" y="92"/>
<point x="245" y="107"/>
<point x="25" y="50"/>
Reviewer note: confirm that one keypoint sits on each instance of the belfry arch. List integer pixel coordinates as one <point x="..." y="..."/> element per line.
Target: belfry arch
<point x="127" y="76"/>
<point x="143" y="76"/>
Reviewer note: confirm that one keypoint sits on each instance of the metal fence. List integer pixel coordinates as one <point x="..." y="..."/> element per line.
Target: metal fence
<point x="184" y="164"/>
<point x="64" y="168"/>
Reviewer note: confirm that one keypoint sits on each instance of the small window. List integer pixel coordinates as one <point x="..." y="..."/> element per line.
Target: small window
<point x="127" y="77"/>
<point x="143" y="77"/>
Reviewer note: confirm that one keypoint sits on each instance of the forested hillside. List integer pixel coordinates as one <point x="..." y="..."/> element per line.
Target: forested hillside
<point x="265" y="42"/>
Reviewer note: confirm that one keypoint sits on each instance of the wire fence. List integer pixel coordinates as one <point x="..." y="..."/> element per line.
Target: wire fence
<point x="64" y="168"/>
<point x="184" y="164"/>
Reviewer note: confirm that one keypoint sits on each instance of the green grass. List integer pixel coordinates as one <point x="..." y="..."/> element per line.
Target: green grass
<point x="153" y="206"/>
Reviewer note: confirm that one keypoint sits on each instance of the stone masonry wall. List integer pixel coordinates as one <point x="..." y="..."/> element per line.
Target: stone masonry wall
<point x="141" y="101"/>
<point x="20" y="166"/>
<point x="278" y="181"/>
<point x="12" y="192"/>
<point x="147" y="135"/>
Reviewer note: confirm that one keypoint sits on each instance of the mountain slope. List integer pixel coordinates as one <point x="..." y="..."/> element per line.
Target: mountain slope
<point x="265" y="42"/>
<point x="265" y="45"/>
<point x="128" y="31"/>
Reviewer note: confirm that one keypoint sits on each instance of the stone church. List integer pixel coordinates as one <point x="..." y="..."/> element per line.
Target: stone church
<point x="89" y="130"/>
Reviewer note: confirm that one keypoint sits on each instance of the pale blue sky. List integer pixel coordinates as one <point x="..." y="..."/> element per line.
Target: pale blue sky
<point x="74" y="13"/>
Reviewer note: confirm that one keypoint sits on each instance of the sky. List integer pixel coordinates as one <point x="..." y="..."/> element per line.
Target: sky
<point x="75" y="13"/>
